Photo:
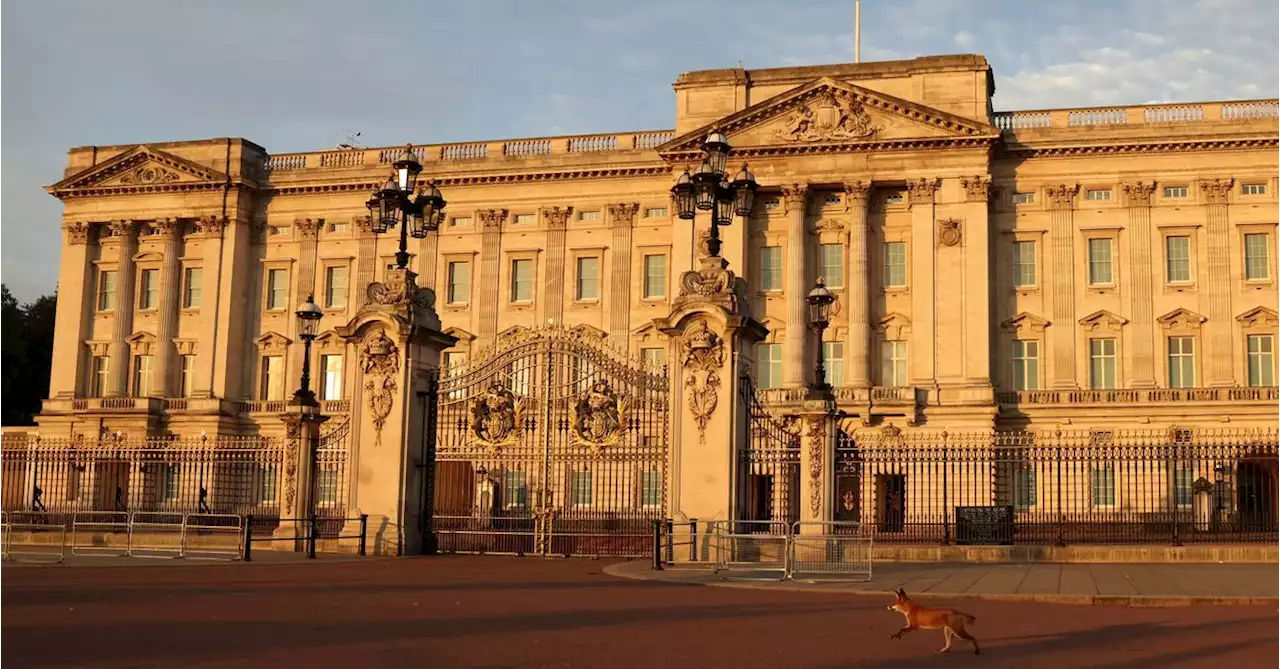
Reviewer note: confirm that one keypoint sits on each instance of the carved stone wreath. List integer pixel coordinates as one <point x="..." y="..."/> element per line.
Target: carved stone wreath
<point x="949" y="232"/>
<point x="702" y="354"/>
<point x="598" y="419"/>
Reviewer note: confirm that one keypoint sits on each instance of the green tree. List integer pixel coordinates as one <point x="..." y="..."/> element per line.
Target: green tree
<point x="26" y="334"/>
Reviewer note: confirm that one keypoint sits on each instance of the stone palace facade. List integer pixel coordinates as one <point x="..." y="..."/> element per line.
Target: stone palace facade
<point x="1097" y="268"/>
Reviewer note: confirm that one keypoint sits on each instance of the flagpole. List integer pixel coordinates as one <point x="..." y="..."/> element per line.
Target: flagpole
<point x="857" y="31"/>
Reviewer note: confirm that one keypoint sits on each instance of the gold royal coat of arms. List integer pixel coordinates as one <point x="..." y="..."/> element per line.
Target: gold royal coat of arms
<point x="598" y="418"/>
<point x="496" y="418"/>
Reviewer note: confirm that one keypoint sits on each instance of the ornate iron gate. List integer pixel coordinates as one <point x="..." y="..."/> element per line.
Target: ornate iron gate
<point x="768" y="470"/>
<point x="329" y="476"/>
<point x="550" y="443"/>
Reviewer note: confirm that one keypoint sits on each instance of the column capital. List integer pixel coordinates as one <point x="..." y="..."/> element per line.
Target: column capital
<point x="922" y="191"/>
<point x="795" y="196"/>
<point x="623" y="214"/>
<point x="1138" y="194"/>
<point x="1062" y="196"/>
<point x="120" y="228"/>
<point x="167" y="227"/>
<point x="308" y="228"/>
<point x="855" y="193"/>
<point x="211" y="227"/>
<point x="77" y="231"/>
<point x="977" y="188"/>
<point x="492" y="218"/>
<point x="556" y="217"/>
<point x="1216" y="190"/>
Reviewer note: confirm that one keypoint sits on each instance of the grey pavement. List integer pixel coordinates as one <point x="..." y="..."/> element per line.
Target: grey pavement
<point x="1125" y="584"/>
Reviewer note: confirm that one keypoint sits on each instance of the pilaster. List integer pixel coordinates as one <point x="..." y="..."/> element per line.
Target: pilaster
<point x="1062" y="269"/>
<point x="973" y="236"/>
<point x="622" y="220"/>
<point x="487" y="290"/>
<point x="213" y="230"/>
<point x="858" y="342"/>
<point x="126" y="244"/>
<point x="366" y="256"/>
<point x="170" y="231"/>
<point x="1140" y="342"/>
<point x="1219" y="353"/>
<point x="74" y="310"/>
<point x="794" y="349"/>
<point x="922" y="345"/>
<point x="558" y="280"/>
<point x="817" y="455"/>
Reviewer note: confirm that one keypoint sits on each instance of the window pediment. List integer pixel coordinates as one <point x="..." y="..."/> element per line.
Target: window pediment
<point x="1258" y="317"/>
<point x="1026" y="323"/>
<point x="1181" y="319"/>
<point x="1103" y="320"/>
<point x="272" y="341"/>
<point x="142" y="343"/>
<point x="894" y="326"/>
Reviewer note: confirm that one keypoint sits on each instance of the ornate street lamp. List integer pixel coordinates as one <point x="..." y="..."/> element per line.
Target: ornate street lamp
<point x="309" y="315"/>
<point x="820" y="300"/>
<point x="395" y="203"/>
<point x="709" y="189"/>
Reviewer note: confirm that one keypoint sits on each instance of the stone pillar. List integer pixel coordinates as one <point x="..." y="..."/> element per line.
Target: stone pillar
<point x="557" y="279"/>
<point x="857" y="368"/>
<point x="1062" y="269"/>
<point x="794" y="349"/>
<point x="302" y="435"/>
<point x="170" y="231"/>
<point x="974" y="237"/>
<point x="307" y="232"/>
<point x="76" y="304"/>
<point x="817" y="457"/>
<point x="126" y="245"/>
<point x="921" y="355"/>
<point x="487" y="291"/>
<point x="622" y="219"/>
<point x="1141" y="267"/>
<point x="366" y="258"/>
<point x="213" y="230"/>
<point x="709" y="410"/>
<point x="1219" y="354"/>
<point x="428" y="259"/>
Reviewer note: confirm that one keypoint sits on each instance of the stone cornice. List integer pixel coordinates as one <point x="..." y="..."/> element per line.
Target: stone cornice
<point x="872" y="146"/>
<point x="444" y="181"/>
<point x="1140" y="147"/>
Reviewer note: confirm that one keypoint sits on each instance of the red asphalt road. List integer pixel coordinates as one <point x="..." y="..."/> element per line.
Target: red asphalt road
<point x="513" y="612"/>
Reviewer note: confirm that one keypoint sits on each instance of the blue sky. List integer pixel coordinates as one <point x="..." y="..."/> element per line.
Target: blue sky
<point x="292" y="75"/>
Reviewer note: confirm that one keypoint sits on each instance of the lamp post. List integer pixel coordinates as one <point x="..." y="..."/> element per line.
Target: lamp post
<point x="709" y="189"/>
<point x="395" y="203"/>
<point x="309" y="315"/>
<point x="819" y="300"/>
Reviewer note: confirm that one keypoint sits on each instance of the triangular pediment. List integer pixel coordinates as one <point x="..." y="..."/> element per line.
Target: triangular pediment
<point x="139" y="167"/>
<point x="1025" y="322"/>
<point x="826" y="112"/>
<point x="894" y="326"/>
<point x="272" y="341"/>
<point x="1181" y="318"/>
<point x="587" y="332"/>
<point x="1258" y="317"/>
<point x="460" y="334"/>
<point x="1102" y="319"/>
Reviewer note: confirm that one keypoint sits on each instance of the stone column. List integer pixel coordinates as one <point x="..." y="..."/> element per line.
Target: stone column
<point x="126" y="245"/>
<point x="302" y="435"/>
<point x="307" y="231"/>
<point x="1219" y="354"/>
<point x="428" y="257"/>
<point x="487" y="291"/>
<point x="1141" y="343"/>
<point x="1062" y="269"/>
<point x="921" y="356"/>
<point x="817" y="456"/>
<point x="794" y="350"/>
<point x="366" y="259"/>
<point x="76" y="304"/>
<point x="170" y="231"/>
<point x="622" y="219"/>
<point x="975" y="239"/>
<point x="857" y="368"/>
<point x="557" y="279"/>
<point x="212" y="229"/>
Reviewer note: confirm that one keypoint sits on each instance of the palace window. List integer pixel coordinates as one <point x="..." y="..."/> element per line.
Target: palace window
<point x="1100" y="271"/>
<point x="650" y="489"/>
<point x="188" y="378"/>
<point x="893" y="363"/>
<point x="331" y="376"/>
<point x="771" y="268"/>
<point x="655" y="212"/>
<point x="1177" y="259"/>
<point x="193" y="288"/>
<point x="1026" y="365"/>
<point x="277" y="289"/>
<point x="1183" y="481"/>
<point x="1182" y="362"/>
<point x="589" y="216"/>
<point x="1175" y="192"/>
<point x="1024" y="487"/>
<point x="769" y="360"/>
<point x="100" y="370"/>
<point x="1099" y="195"/>
<point x="526" y="219"/>
<point x="521" y="280"/>
<point x="515" y="489"/>
<point x="327" y="486"/>
<point x="588" y="278"/>
<point x="339" y="228"/>
<point x="271" y="379"/>
<point x="1257" y="261"/>
<point x="895" y="197"/>
<point x="459" y="291"/>
<point x="895" y="264"/>
<point x="141" y="375"/>
<point x="1262" y="360"/>
<point x="831" y="265"/>
<point x="655" y="276"/>
<point x="1024" y="264"/>
<point x="580" y="488"/>
<point x="171" y="482"/>
<point x="266" y="487"/>
<point x="1102" y="364"/>
<point x="1253" y="189"/>
<point x="833" y="363"/>
<point x="1104" y="486"/>
<point x="106" y="290"/>
<point x="148" y="289"/>
<point x="654" y="357"/>
<point x="460" y="222"/>
<point x="335" y="287"/>
<point x="1024" y="198"/>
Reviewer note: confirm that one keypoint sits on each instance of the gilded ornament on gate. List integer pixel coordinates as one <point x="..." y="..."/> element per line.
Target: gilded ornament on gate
<point x="495" y="418"/>
<point x="598" y="418"/>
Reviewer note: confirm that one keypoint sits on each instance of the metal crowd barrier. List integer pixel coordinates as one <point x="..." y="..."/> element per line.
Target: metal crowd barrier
<point x="156" y="534"/>
<point x="801" y="551"/>
<point x="204" y="536"/>
<point x="754" y="549"/>
<point x="829" y="551"/>
<point x="32" y="537"/>
<point x="92" y="532"/>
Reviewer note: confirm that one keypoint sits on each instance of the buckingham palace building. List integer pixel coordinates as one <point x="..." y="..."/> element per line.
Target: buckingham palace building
<point x="1074" y="308"/>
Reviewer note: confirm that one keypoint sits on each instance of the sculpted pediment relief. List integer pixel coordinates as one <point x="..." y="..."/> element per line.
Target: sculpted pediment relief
<point x="139" y="167"/>
<point x="826" y="111"/>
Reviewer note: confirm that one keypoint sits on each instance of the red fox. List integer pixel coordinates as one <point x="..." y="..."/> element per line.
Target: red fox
<point x="950" y="620"/>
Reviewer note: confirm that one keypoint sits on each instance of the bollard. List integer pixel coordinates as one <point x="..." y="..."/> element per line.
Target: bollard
<point x="657" y="545"/>
<point x="364" y="528"/>
<point x="693" y="539"/>
<point x="248" y="538"/>
<point x="671" y="538"/>
<point x="311" y="546"/>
